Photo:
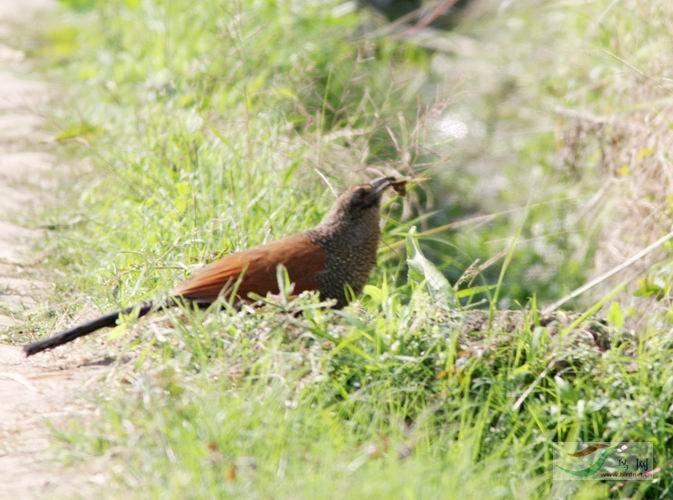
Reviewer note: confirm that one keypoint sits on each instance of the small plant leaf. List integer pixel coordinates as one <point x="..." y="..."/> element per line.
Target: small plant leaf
<point x="472" y="291"/>
<point x="421" y="270"/>
<point x="616" y="315"/>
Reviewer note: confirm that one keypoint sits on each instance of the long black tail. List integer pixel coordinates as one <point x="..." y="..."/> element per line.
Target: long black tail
<point x="85" y="329"/>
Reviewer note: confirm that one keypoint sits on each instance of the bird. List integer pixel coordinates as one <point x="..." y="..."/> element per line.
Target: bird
<point x="331" y="258"/>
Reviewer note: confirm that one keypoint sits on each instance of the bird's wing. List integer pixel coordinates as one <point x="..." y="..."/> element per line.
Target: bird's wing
<point x="256" y="269"/>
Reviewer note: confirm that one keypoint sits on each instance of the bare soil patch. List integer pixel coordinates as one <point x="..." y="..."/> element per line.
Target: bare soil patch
<point x="39" y="394"/>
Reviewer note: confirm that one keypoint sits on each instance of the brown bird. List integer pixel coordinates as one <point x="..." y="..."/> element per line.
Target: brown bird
<point x="336" y="255"/>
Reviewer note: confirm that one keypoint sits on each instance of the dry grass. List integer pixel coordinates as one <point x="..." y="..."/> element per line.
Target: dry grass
<point x="623" y="124"/>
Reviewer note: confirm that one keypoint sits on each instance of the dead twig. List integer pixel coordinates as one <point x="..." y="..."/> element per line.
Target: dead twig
<point x="615" y="270"/>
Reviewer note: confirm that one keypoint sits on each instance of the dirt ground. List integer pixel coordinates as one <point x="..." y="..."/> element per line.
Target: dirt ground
<point x="38" y="394"/>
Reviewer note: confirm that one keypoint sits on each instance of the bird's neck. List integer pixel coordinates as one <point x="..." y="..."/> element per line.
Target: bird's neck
<point x="351" y="253"/>
<point x="350" y="235"/>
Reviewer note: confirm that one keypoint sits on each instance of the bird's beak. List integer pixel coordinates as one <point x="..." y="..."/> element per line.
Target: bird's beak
<point x="381" y="184"/>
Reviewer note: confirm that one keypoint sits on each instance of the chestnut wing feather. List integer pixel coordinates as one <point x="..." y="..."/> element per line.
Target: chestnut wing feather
<point x="302" y="258"/>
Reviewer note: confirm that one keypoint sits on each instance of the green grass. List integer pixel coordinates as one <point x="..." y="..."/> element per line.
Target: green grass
<point x="208" y="127"/>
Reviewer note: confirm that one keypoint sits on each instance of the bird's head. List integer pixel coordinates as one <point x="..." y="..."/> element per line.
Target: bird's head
<point x="362" y="201"/>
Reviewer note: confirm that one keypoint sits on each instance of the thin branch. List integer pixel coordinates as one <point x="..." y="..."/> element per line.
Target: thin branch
<point x="526" y="393"/>
<point x="615" y="270"/>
